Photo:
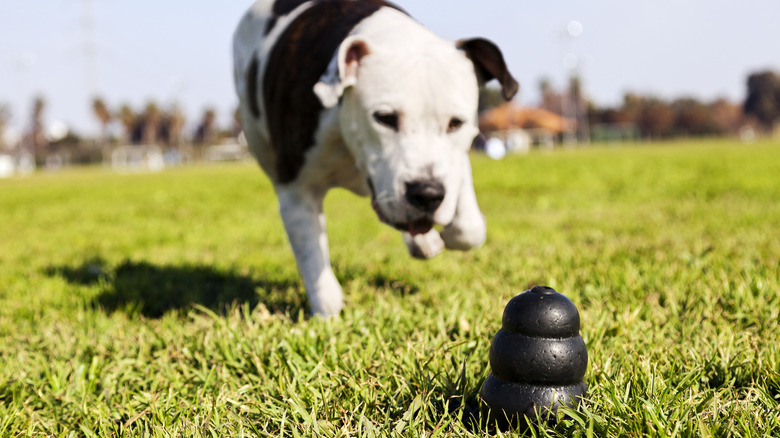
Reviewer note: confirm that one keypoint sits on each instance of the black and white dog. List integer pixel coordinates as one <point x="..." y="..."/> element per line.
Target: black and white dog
<point x="356" y="94"/>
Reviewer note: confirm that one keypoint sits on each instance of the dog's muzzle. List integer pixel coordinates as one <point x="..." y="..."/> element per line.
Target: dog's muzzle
<point x="423" y="196"/>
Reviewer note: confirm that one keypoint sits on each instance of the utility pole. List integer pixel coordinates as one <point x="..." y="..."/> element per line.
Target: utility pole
<point x="90" y="49"/>
<point x="572" y="110"/>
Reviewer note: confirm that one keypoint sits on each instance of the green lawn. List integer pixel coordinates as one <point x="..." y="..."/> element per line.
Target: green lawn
<point x="168" y="304"/>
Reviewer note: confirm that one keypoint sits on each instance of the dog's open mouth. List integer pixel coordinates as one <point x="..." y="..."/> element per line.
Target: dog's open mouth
<point x="415" y="227"/>
<point x="420" y="226"/>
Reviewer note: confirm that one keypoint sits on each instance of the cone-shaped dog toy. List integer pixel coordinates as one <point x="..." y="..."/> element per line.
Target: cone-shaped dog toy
<point x="538" y="359"/>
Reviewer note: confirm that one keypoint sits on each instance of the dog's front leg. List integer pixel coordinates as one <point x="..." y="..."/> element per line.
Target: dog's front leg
<point x="424" y="246"/>
<point x="304" y="221"/>
<point x="467" y="230"/>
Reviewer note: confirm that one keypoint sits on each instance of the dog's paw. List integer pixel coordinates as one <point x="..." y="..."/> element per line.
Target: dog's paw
<point x="424" y="246"/>
<point x="464" y="238"/>
<point x="327" y="300"/>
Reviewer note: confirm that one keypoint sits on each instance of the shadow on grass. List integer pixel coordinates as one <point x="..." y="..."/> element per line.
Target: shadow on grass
<point x="348" y="273"/>
<point x="150" y="290"/>
<point x="402" y="288"/>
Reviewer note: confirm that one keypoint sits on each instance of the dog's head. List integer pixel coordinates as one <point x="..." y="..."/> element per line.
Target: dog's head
<point x="408" y="112"/>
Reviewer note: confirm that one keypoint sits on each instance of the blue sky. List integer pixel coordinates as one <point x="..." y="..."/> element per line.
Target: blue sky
<point x="179" y="50"/>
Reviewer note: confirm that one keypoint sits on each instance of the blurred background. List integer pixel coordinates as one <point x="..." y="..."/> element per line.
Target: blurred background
<point x="148" y="84"/>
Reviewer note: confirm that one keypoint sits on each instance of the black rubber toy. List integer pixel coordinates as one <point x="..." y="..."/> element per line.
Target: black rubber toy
<point x="538" y="359"/>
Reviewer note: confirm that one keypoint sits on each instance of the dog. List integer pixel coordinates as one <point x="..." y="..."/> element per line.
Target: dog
<point x="357" y="94"/>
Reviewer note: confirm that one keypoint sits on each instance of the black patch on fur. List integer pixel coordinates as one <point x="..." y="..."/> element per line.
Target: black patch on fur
<point x="251" y="83"/>
<point x="299" y="58"/>
<point x="284" y="7"/>
<point x="269" y="26"/>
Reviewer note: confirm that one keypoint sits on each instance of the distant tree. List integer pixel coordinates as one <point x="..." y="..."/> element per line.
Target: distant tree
<point x="575" y="89"/>
<point x="174" y="126"/>
<point x="206" y="130"/>
<point x="650" y="116"/>
<point x="236" y="122"/>
<point x="5" y="115"/>
<point x="656" y="118"/>
<point x="632" y="106"/>
<point x="153" y="125"/>
<point x="580" y="108"/>
<point x="550" y="100"/>
<point x="104" y="116"/>
<point x="763" y="98"/>
<point x="152" y="119"/>
<point x="489" y="97"/>
<point x="128" y="119"/>
<point x="727" y="116"/>
<point x="692" y="117"/>
<point x="70" y="140"/>
<point x="37" y="138"/>
<point x="610" y="116"/>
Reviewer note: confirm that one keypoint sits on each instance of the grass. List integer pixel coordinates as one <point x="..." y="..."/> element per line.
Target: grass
<point x="168" y="304"/>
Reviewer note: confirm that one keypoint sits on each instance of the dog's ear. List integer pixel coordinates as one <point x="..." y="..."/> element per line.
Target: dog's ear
<point x="489" y="64"/>
<point x="342" y="71"/>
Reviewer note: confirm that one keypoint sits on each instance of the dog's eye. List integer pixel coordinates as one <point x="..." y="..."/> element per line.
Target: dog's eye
<point x="455" y="124"/>
<point x="389" y="120"/>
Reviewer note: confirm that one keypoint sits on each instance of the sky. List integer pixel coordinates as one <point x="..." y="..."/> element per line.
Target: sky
<point x="179" y="51"/>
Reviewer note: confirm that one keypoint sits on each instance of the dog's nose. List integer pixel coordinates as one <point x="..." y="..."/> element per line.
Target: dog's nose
<point x="425" y="195"/>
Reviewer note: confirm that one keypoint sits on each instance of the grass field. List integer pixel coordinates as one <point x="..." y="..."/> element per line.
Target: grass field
<point x="168" y="304"/>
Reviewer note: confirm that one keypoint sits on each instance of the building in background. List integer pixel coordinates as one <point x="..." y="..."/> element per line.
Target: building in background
<point x="521" y="128"/>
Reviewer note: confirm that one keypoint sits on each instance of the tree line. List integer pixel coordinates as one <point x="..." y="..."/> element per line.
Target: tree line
<point x="651" y="116"/>
<point x="149" y="124"/>
<point x="153" y="124"/>
<point x="658" y="118"/>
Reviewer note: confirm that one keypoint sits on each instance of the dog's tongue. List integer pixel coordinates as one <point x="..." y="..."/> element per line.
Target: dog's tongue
<point x="420" y="226"/>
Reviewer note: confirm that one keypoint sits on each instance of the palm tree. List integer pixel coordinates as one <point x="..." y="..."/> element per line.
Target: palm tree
<point x="548" y="96"/>
<point x="104" y="116"/>
<point x="5" y="114"/>
<point x="152" y="120"/>
<point x="237" y="122"/>
<point x="176" y="122"/>
<point x="128" y="119"/>
<point x="205" y="133"/>
<point x="38" y="142"/>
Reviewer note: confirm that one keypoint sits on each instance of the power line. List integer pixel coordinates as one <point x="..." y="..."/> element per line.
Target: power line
<point x="90" y="49"/>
